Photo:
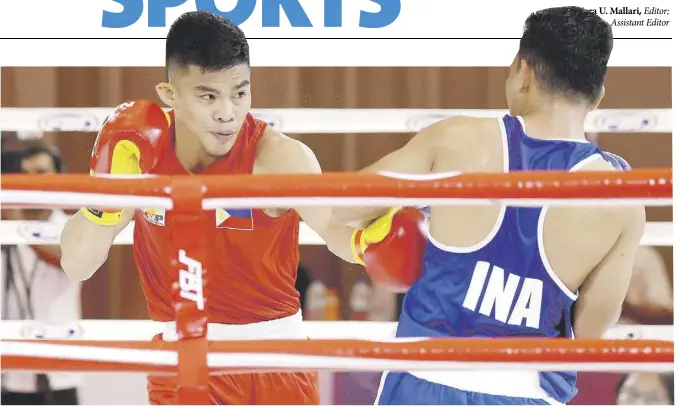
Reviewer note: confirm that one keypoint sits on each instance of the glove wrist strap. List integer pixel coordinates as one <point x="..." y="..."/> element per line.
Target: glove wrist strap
<point x="358" y="245"/>
<point x="101" y="217"/>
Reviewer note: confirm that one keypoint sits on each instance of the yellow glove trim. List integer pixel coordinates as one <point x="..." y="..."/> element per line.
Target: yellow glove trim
<point x="374" y="232"/>
<point x="125" y="160"/>
<point x="380" y="228"/>
<point x="169" y="119"/>
<point x="99" y="217"/>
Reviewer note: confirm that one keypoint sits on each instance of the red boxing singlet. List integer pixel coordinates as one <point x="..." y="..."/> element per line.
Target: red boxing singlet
<point x="253" y="258"/>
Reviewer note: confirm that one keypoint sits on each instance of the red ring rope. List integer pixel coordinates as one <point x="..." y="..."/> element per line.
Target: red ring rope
<point x="468" y="350"/>
<point x="639" y="183"/>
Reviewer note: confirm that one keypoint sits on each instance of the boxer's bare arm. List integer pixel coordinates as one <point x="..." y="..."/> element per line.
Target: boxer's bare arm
<point x="286" y="155"/>
<point x="602" y="293"/>
<point x="417" y="157"/>
<point x="85" y="245"/>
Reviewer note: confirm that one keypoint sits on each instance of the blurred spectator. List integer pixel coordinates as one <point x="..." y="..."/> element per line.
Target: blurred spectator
<point x="649" y="299"/>
<point x="646" y="388"/>
<point x="33" y="285"/>
<point x="302" y="284"/>
<point x="399" y="301"/>
<point x="383" y="304"/>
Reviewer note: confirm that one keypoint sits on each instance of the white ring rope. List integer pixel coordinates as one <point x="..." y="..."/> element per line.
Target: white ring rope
<point x="74" y="200"/>
<point x="122" y="330"/>
<point x="335" y="121"/>
<point x="12" y="232"/>
<point x="86" y="353"/>
<point x="41" y="198"/>
<point x="262" y="202"/>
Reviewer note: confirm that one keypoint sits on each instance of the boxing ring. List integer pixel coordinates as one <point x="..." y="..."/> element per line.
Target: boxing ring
<point x="125" y="346"/>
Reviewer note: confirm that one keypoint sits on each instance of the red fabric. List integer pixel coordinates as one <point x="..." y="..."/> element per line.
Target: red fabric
<point x="245" y="389"/>
<point x="596" y="388"/>
<point x="248" y="389"/>
<point x="251" y="266"/>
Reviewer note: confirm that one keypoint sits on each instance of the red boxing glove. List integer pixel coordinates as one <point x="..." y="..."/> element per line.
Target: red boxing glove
<point x="391" y="248"/>
<point x="132" y="139"/>
<point x="131" y="142"/>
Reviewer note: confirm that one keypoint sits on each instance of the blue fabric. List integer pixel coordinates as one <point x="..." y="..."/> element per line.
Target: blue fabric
<point x="406" y="389"/>
<point x="616" y="161"/>
<point x="458" y="292"/>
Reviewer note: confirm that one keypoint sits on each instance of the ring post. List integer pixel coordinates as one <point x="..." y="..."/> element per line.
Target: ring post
<point x="189" y="256"/>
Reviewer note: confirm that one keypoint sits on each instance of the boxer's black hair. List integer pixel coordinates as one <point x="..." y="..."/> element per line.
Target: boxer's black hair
<point x="568" y="48"/>
<point x="11" y="161"/>
<point x="207" y="41"/>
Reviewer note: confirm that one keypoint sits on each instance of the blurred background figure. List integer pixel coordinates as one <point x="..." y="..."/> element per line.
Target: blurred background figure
<point x="33" y="285"/>
<point x="382" y="304"/>
<point x="646" y="388"/>
<point x="302" y="284"/>
<point x="649" y="299"/>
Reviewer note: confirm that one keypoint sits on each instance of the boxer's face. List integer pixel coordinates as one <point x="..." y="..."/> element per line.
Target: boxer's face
<point x="212" y="105"/>
<point x="37" y="163"/>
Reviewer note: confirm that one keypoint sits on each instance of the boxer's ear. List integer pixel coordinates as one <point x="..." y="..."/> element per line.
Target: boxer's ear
<point x="598" y="100"/>
<point x="166" y="93"/>
<point x="526" y="74"/>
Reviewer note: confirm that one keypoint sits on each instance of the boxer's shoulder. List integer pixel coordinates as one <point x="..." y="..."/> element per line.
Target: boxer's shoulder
<point x="458" y="131"/>
<point x="600" y="164"/>
<point x="461" y="122"/>
<point x="279" y="153"/>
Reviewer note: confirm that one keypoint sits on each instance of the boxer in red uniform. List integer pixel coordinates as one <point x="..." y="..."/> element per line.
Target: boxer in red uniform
<point x="250" y="292"/>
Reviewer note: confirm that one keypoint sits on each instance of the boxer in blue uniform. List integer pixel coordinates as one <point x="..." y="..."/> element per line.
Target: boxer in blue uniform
<point x="497" y="271"/>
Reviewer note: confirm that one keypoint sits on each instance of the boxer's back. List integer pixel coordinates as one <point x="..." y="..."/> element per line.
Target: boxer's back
<point x="505" y="271"/>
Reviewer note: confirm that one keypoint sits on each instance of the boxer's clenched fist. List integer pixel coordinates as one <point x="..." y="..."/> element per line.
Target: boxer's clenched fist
<point x="391" y="248"/>
<point x="131" y="141"/>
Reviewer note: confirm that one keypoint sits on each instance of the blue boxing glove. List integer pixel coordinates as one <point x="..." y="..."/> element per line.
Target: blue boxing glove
<point x="615" y="160"/>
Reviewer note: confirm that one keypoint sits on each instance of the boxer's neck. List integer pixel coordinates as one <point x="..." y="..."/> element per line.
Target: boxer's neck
<point x="556" y="119"/>
<point x="189" y="151"/>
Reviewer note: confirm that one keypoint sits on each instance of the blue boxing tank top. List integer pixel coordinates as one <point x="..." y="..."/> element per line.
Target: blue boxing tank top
<point x="503" y="286"/>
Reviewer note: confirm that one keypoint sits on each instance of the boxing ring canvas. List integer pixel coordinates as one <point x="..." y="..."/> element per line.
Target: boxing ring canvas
<point x="349" y="117"/>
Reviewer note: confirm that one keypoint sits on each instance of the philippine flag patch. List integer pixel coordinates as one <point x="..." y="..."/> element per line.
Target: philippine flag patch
<point x="235" y="219"/>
